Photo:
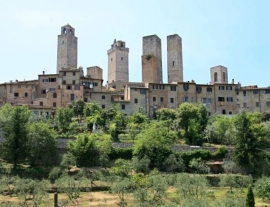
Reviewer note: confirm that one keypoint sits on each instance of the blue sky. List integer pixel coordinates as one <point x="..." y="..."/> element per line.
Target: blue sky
<point x="235" y="34"/>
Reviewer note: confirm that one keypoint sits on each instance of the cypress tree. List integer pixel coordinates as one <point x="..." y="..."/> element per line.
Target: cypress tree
<point x="250" y="202"/>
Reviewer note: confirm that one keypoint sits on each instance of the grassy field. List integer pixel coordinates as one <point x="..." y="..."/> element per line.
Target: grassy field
<point x="102" y="199"/>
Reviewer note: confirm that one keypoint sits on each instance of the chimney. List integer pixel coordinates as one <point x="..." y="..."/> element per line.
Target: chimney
<point x="232" y="81"/>
<point x="43" y="72"/>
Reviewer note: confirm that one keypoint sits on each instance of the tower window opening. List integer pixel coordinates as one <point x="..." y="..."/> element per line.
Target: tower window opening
<point x="122" y="58"/>
<point x="224" y="76"/>
<point x="122" y="44"/>
<point x="64" y="31"/>
<point x="173" y="63"/>
<point x="215" y="76"/>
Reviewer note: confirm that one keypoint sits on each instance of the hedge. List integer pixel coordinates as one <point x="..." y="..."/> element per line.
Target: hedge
<point x="124" y="153"/>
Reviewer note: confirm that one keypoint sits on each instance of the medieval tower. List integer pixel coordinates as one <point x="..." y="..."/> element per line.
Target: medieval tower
<point x="152" y="60"/>
<point x="219" y="74"/>
<point x="118" y="62"/>
<point x="66" y="48"/>
<point x="174" y="58"/>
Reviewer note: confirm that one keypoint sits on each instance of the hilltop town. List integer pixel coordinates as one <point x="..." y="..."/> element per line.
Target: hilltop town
<point x="71" y="83"/>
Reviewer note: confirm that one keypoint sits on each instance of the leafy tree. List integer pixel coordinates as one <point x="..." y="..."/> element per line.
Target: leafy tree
<point x="141" y="165"/>
<point x="64" y="118"/>
<point x="122" y="168"/>
<point x="262" y="187"/>
<point x="154" y="142"/>
<point x="42" y="144"/>
<point x="193" y="120"/>
<point x="91" y="109"/>
<point x="78" y="108"/>
<point x="173" y="164"/>
<point x="165" y="114"/>
<point x="87" y="148"/>
<point x="123" y="188"/>
<point x="7" y="184"/>
<point x="228" y="166"/>
<point x="250" y="139"/>
<point x="228" y="181"/>
<point x="14" y="126"/>
<point x="250" y="202"/>
<point x="199" y="165"/>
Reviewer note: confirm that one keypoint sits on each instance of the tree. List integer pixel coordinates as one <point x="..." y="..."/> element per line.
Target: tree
<point x="250" y="139"/>
<point x="173" y="164"/>
<point x="91" y="109"/>
<point x="64" y="118"/>
<point x="154" y="142"/>
<point x="193" y="120"/>
<point x="14" y="126"/>
<point x="141" y="165"/>
<point x="199" y="165"/>
<point x="42" y="144"/>
<point x="78" y="108"/>
<point x="262" y="187"/>
<point x="165" y="114"/>
<point x="87" y="148"/>
<point x="250" y="202"/>
<point x="123" y="188"/>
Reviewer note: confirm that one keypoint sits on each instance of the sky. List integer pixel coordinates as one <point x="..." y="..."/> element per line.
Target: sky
<point x="235" y="34"/>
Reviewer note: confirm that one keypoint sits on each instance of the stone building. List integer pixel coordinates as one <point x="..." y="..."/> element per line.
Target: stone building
<point x="152" y="60"/>
<point x="69" y="84"/>
<point x="174" y="58"/>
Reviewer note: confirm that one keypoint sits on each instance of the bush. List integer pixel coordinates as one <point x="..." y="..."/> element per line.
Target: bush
<point x="188" y="156"/>
<point x="220" y="153"/>
<point x="124" y="153"/>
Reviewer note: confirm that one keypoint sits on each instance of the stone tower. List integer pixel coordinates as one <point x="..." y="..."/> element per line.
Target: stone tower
<point x="66" y="48"/>
<point x="174" y="58"/>
<point x="219" y="74"/>
<point x="118" y="62"/>
<point x="152" y="60"/>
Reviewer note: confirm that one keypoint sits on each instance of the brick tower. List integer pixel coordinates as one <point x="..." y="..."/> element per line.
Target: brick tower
<point x="152" y="60"/>
<point x="219" y="74"/>
<point x="66" y="48"/>
<point x="174" y="58"/>
<point x="118" y="62"/>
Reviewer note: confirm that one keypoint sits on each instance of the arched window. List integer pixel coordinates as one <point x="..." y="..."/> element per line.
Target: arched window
<point x="54" y="95"/>
<point x="224" y="76"/>
<point x="215" y="77"/>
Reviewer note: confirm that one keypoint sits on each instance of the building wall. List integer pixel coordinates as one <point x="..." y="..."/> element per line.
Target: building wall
<point x="95" y="72"/>
<point x="118" y="62"/>
<point x="152" y="48"/>
<point x="138" y="98"/>
<point x="66" y="48"/>
<point x="149" y="69"/>
<point x="174" y="58"/>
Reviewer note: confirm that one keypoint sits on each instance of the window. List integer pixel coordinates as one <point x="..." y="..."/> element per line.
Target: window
<point x="68" y="87"/>
<point x="52" y="79"/>
<point x="244" y="93"/>
<point x="221" y="99"/>
<point x="103" y="97"/>
<point x="95" y="84"/>
<point x="267" y="103"/>
<point x="230" y="112"/>
<point x="185" y="99"/>
<point x="41" y="103"/>
<point x="172" y="100"/>
<point x="74" y="73"/>
<point x="122" y="58"/>
<point x="26" y="86"/>
<point x="43" y="91"/>
<point x="161" y="99"/>
<point x="154" y="98"/>
<point x="72" y="97"/>
<point x="64" y="74"/>
<point x="173" y="88"/>
<point x="64" y="81"/>
<point x="221" y="87"/>
<point x="215" y="77"/>
<point x="173" y="63"/>
<point x="19" y="86"/>
<point x="245" y="105"/>
<point x="209" y="113"/>
<point x="209" y="90"/>
<point x="206" y="100"/>
<point x="111" y="59"/>
<point x="123" y="106"/>
<point x="186" y="87"/>
<point x="25" y="94"/>
<point x="16" y="94"/>
<point x="162" y="87"/>
<point x="77" y="88"/>
<point x="238" y="105"/>
<point x="135" y="100"/>
<point x="199" y="89"/>
<point x="73" y="82"/>
<point x="54" y="95"/>
<point x="255" y="92"/>
<point x="229" y="99"/>
<point x="224" y="76"/>
<point x="237" y="93"/>
<point x="142" y="91"/>
<point x="155" y="87"/>
<point x="103" y="106"/>
<point x="54" y="104"/>
<point x="85" y="100"/>
<point x="267" y="91"/>
<point x="257" y="104"/>
<point x="45" y="80"/>
<point x="223" y="111"/>
<point x="228" y="88"/>
<point x="51" y="89"/>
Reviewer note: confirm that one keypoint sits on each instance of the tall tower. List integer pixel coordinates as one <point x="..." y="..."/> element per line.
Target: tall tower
<point x="66" y="48"/>
<point x="152" y="60"/>
<point x="118" y="62"/>
<point x="219" y="74"/>
<point x="174" y="58"/>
